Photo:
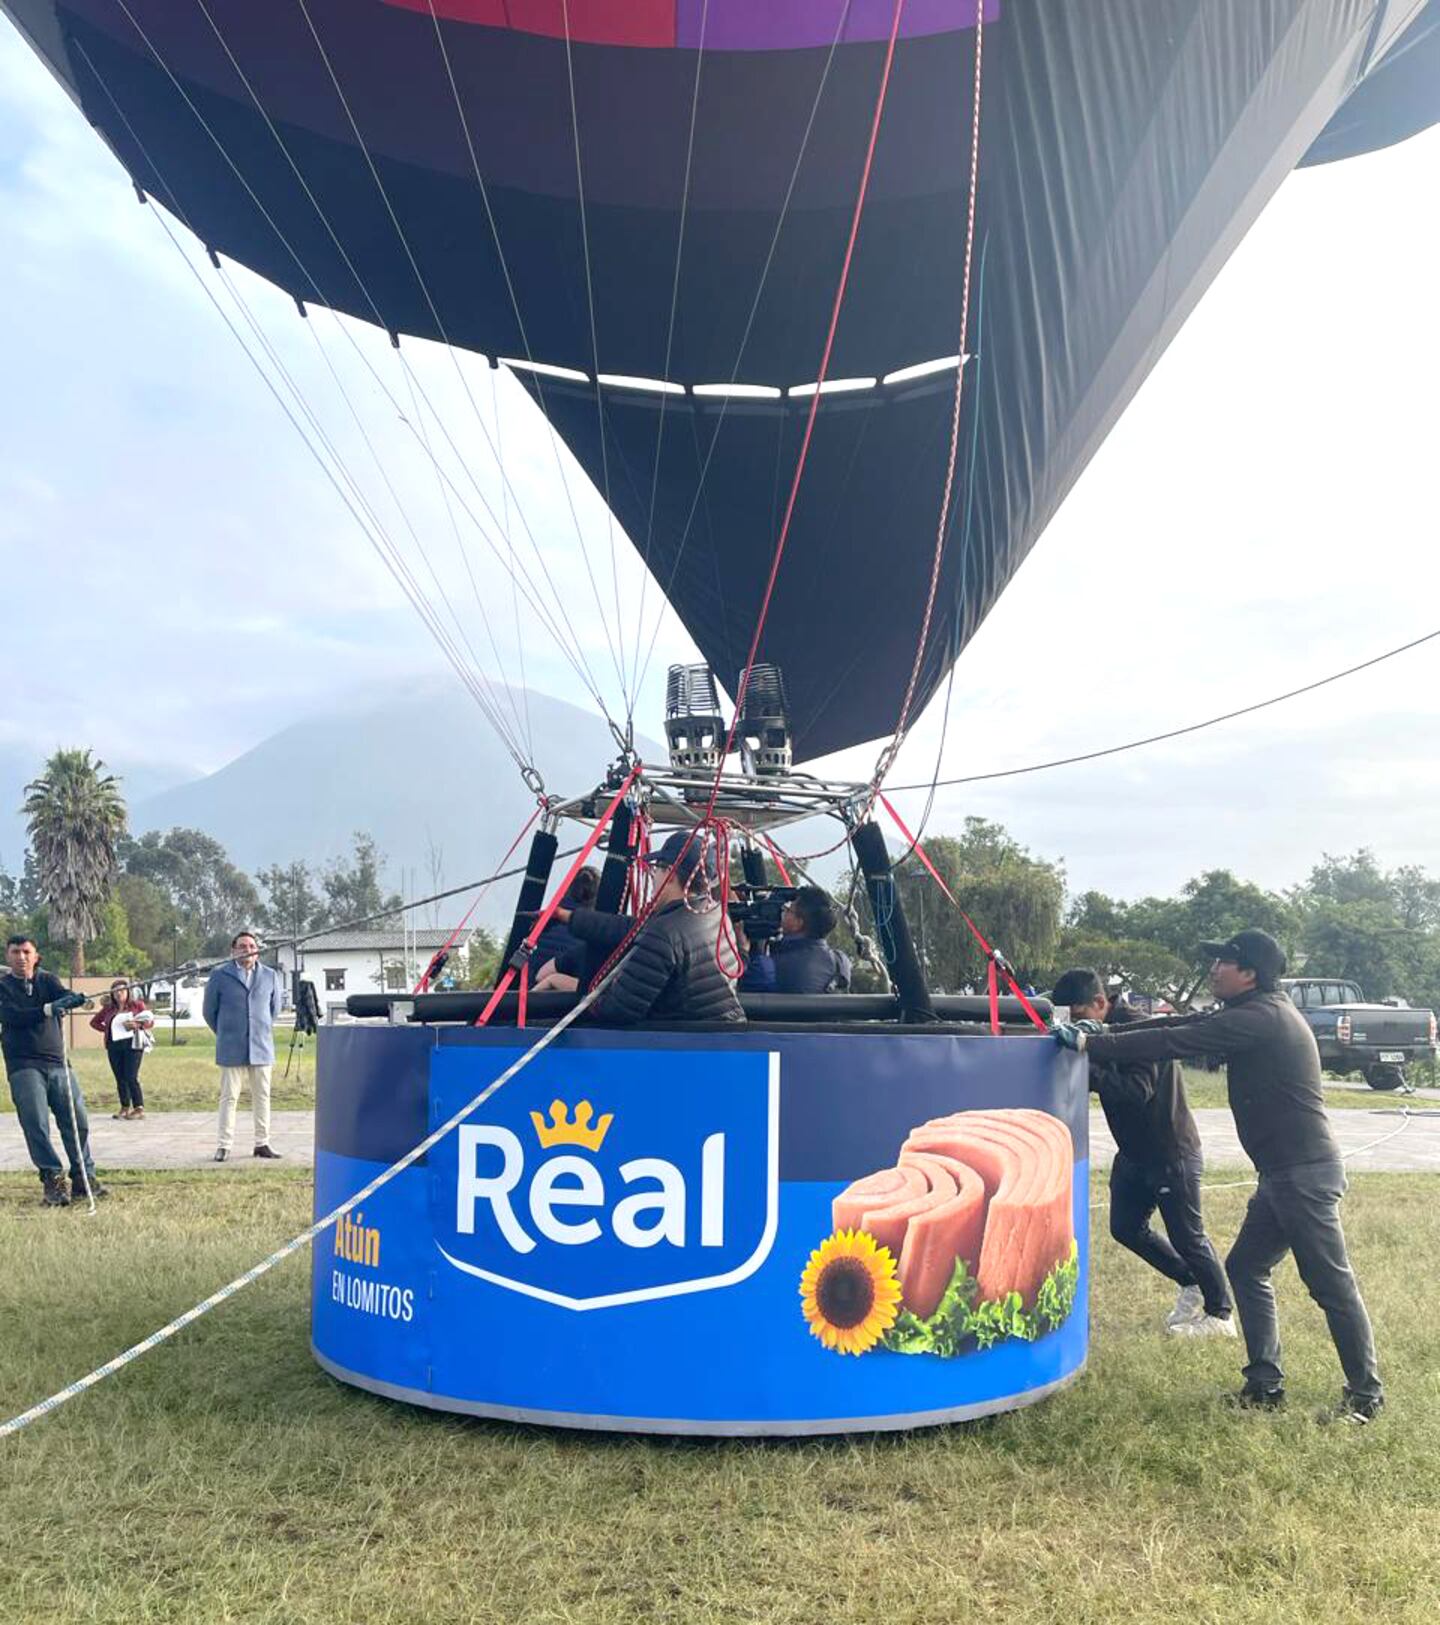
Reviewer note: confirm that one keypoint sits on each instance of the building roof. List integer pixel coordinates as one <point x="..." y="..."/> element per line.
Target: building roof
<point x="383" y="940"/>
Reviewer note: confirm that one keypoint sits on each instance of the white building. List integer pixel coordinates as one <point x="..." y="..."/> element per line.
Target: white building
<point x="387" y="959"/>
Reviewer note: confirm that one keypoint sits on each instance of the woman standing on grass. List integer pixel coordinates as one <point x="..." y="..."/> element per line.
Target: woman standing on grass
<point x="125" y="1020"/>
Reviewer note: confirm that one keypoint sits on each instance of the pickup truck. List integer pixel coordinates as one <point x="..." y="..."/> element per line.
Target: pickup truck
<point x="1356" y="1036"/>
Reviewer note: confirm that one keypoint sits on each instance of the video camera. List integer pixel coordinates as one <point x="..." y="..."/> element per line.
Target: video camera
<point x="757" y="909"/>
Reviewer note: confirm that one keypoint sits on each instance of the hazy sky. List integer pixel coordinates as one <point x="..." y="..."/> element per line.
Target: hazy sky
<point x="1265" y="513"/>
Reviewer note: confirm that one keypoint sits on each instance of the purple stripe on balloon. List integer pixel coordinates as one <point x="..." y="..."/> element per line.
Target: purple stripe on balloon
<point x="783" y="25"/>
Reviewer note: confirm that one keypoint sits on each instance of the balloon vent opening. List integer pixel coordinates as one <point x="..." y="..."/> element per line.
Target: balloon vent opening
<point x="763" y="734"/>
<point x="694" y="724"/>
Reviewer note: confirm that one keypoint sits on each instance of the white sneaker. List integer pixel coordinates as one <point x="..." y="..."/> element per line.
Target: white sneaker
<point x="1205" y="1326"/>
<point x="1189" y="1305"/>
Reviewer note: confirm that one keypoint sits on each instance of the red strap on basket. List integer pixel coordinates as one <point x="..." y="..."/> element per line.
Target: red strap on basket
<point x="524" y="995"/>
<point x="997" y="960"/>
<point x="423" y="985"/>
<point x="547" y="913"/>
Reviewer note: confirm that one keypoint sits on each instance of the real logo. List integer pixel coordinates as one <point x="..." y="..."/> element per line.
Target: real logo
<point x="561" y="1187"/>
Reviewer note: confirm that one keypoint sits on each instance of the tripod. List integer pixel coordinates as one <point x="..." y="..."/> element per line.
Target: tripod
<point x="307" y="1015"/>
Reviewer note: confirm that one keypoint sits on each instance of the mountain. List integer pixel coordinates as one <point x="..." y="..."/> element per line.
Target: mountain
<point x="425" y="774"/>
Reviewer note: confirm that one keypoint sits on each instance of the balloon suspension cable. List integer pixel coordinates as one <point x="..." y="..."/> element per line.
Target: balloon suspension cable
<point x="996" y="963"/>
<point x="438" y="959"/>
<point x="821" y="374"/>
<point x="887" y="756"/>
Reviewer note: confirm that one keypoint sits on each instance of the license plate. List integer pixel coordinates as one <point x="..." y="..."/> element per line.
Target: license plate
<point x="1392" y="1055"/>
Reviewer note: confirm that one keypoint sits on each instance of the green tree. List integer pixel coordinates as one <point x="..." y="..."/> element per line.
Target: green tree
<point x="111" y="951"/>
<point x="1210" y="908"/>
<point x="352" y="885"/>
<point x="290" y="905"/>
<point x="482" y="960"/>
<point x="1147" y="967"/>
<point x="1013" y="897"/>
<point x="151" y="918"/>
<point x="76" y="818"/>
<point x="212" y="898"/>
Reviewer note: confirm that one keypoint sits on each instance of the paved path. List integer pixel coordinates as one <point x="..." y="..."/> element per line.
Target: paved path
<point x="187" y="1140"/>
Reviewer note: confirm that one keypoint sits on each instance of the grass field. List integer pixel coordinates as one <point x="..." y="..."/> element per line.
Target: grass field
<point x="184" y="1077"/>
<point x="224" y="1478"/>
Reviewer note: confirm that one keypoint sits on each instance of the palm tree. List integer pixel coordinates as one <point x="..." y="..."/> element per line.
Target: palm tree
<point x="76" y="817"/>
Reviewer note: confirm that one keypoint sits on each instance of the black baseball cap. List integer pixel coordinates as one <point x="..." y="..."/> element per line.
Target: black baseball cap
<point x="682" y="851"/>
<point x="1250" y="949"/>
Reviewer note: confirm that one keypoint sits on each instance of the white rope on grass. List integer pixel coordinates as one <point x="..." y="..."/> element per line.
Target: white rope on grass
<point x="46" y="1406"/>
<point x="1345" y="1156"/>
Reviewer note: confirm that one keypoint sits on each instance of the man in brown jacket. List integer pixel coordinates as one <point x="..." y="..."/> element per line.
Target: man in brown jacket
<point x="1273" y="1079"/>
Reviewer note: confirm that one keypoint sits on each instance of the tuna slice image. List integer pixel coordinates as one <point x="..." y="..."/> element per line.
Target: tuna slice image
<point x="994" y="1188"/>
<point x="1026" y="1160"/>
<point x="874" y="1193"/>
<point x="941" y="1234"/>
<point x="887" y="1217"/>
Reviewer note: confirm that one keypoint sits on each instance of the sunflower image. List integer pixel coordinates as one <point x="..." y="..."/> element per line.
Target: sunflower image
<point x="849" y="1293"/>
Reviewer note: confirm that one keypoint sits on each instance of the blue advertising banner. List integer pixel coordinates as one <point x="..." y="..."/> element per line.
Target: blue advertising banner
<point x="712" y="1233"/>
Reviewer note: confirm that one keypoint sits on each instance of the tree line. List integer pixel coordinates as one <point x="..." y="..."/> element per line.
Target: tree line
<point x="1350" y="918"/>
<point x="92" y="894"/>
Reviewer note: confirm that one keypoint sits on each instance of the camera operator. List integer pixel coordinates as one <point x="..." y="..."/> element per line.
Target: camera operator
<point x="800" y="960"/>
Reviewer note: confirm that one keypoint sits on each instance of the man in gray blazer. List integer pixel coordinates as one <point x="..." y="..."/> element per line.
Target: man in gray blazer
<point x="242" y="999"/>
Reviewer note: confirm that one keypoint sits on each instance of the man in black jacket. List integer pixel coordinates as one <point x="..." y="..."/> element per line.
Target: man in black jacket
<point x="1158" y="1164"/>
<point x="1273" y="1080"/>
<point x="672" y="971"/>
<point x="33" y="1003"/>
<point x="801" y="961"/>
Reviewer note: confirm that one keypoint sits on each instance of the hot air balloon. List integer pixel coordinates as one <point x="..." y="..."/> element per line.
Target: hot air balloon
<point x="833" y="300"/>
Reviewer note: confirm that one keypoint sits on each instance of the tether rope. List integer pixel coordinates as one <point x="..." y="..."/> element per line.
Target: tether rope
<point x="1345" y="1156"/>
<point x="1175" y="733"/>
<point x="305" y="1237"/>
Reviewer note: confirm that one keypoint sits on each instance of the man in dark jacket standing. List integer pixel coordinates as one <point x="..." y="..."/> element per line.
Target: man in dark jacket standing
<point x="672" y="971"/>
<point x="1273" y="1078"/>
<point x="33" y="1003"/>
<point x="1158" y="1164"/>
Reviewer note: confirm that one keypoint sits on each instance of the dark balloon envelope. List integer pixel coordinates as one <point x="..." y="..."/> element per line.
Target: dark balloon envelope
<point x="1126" y="146"/>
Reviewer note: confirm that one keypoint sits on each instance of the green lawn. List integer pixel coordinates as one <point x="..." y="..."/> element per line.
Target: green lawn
<point x="183" y="1077"/>
<point x="224" y="1478"/>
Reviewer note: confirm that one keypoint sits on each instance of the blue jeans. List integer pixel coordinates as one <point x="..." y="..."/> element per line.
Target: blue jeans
<point x="38" y="1090"/>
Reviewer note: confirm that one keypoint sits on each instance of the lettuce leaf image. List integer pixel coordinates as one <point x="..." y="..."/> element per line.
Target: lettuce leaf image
<point x="961" y="1324"/>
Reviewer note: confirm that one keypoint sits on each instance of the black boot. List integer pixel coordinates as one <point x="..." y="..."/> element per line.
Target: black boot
<point x="53" y="1190"/>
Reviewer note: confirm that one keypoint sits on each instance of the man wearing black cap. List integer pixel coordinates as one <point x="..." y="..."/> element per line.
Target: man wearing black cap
<point x="672" y="971"/>
<point x="1273" y="1078"/>
<point x="1158" y="1165"/>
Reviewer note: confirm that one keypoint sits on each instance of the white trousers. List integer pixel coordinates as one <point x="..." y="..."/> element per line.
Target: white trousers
<point x="232" y="1080"/>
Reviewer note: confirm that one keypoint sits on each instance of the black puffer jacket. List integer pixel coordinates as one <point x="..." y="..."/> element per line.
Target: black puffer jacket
<point x="671" y="973"/>
<point x="1144" y="1104"/>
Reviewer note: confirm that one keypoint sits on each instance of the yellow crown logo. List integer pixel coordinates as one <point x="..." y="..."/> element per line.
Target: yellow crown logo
<point x="561" y="1130"/>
